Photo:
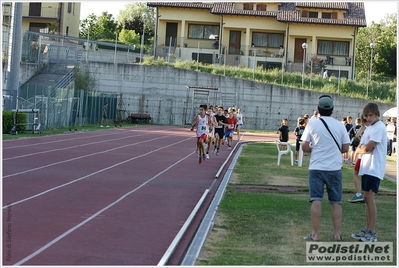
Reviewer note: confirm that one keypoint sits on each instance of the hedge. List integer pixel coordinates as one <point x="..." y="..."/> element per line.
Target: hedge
<point x="8" y="121"/>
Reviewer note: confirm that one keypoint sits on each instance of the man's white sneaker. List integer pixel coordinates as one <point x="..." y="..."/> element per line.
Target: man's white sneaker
<point x="369" y="237"/>
<point x="207" y="156"/>
<point x="101" y="126"/>
<point x="360" y="235"/>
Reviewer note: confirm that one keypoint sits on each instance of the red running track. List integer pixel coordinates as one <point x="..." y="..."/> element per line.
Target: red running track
<point x="111" y="197"/>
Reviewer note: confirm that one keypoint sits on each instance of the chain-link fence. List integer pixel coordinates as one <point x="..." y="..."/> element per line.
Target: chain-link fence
<point x="65" y="107"/>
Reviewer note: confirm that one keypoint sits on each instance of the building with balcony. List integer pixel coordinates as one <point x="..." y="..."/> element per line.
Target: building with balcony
<point x="289" y="35"/>
<point x="61" y="18"/>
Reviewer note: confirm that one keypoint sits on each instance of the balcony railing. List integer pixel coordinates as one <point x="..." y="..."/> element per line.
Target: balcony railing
<point x="45" y="12"/>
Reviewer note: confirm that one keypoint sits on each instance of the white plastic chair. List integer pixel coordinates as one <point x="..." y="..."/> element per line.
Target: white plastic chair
<point x="283" y="152"/>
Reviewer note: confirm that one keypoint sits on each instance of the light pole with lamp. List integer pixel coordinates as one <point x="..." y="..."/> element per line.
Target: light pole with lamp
<point x="304" y="46"/>
<point x="142" y="37"/>
<point x="372" y="46"/>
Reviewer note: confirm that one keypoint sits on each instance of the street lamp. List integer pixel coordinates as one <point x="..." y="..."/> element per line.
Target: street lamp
<point x="142" y="37"/>
<point x="372" y="46"/>
<point x="304" y="46"/>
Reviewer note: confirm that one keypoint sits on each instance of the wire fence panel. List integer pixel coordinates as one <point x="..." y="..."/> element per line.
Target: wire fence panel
<point x="66" y="107"/>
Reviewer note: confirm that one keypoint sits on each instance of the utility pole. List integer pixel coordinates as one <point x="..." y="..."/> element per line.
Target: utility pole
<point x="14" y="52"/>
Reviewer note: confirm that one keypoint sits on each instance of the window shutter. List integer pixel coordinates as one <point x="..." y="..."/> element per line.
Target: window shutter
<point x="304" y="14"/>
<point x="248" y="6"/>
<point x="334" y="15"/>
<point x="261" y="7"/>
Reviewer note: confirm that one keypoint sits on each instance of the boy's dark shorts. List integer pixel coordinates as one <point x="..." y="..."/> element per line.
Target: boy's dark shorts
<point x="297" y="145"/>
<point x="370" y="183"/>
<point x="220" y="132"/>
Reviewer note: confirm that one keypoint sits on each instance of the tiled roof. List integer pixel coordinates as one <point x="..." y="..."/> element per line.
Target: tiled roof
<point x="227" y="8"/>
<point x="355" y="15"/>
<point x="288" y="11"/>
<point x="180" y="5"/>
<point x="323" y="5"/>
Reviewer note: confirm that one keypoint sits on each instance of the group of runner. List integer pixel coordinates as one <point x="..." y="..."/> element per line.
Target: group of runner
<point x="214" y="126"/>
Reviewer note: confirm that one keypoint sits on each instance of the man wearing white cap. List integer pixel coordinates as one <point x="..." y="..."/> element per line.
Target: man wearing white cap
<point x="326" y="139"/>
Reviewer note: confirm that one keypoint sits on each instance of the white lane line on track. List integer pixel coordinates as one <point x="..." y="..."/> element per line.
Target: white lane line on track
<point x="80" y="157"/>
<point x="94" y="173"/>
<point x="71" y="147"/>
<point x="64" y="140"/>
<point x="67" y="140"/>
<point x="56" y="141"/>
<point x="98" y="212"/>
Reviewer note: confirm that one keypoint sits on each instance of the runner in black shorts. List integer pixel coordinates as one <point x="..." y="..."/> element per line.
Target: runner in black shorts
<point x="219" y="129"/>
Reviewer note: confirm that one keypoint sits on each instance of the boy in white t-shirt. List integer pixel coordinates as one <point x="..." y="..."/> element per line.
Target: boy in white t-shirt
<point x="373" y="147"/>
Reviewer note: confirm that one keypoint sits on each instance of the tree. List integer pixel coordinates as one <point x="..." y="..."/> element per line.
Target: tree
<point x="89" y="28"/>
<point x="129" y="37"/>
<point x="102" y="27"/>
<point x="107" y="25"/>
<point x="131" y="18"/>
<point x="84" y="79"/>
<point x="384" y="36"/>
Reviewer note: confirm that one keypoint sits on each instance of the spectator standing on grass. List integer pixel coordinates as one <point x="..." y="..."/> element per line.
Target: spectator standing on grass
<point x="306" y="117"/>
<point x="315" y="116"/>
<point x="344" y="155"/>
<point x="348" y="127"/>
<point x="373" y="147"/>
<point x="325" y="166"/>
<point x="298" y="133"/>
<point x="105" y="115"/>
<point x="284" y="131"/>
<point x="390" y="135"/>
<point x="241" y="121"/>
<point x="354" y="139"/>
<point x="356" y="181"/>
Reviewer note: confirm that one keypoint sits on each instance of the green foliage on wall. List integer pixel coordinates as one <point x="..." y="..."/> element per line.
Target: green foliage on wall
<point x="380" y="89"/>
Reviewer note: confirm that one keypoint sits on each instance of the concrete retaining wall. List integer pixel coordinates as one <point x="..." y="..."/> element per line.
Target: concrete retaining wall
<point x="163" y="93"/>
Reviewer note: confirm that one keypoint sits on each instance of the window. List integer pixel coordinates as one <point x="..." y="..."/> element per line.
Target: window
<point x="326" y="15"/>
<point x="69" y="7"/>
<point x="336" y="48"/>
<point x="36" y="27"/>
<point x="267" y="39"/>
<point x="261" y="7"/>
<point x="35" y="9"/>
<point x="196" y="31"/>
<point x="248" y="6"/>
<point x="309" y="14"/>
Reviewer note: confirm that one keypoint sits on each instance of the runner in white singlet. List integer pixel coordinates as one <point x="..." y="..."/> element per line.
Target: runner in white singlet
<point x="201" y="122"/>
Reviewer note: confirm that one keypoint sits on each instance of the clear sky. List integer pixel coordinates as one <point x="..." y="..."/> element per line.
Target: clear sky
<point x="375" y="10"/>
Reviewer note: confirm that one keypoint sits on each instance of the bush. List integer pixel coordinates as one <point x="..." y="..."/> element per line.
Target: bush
<point x="382" y="89"/>
<point x="8" y="121"/>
